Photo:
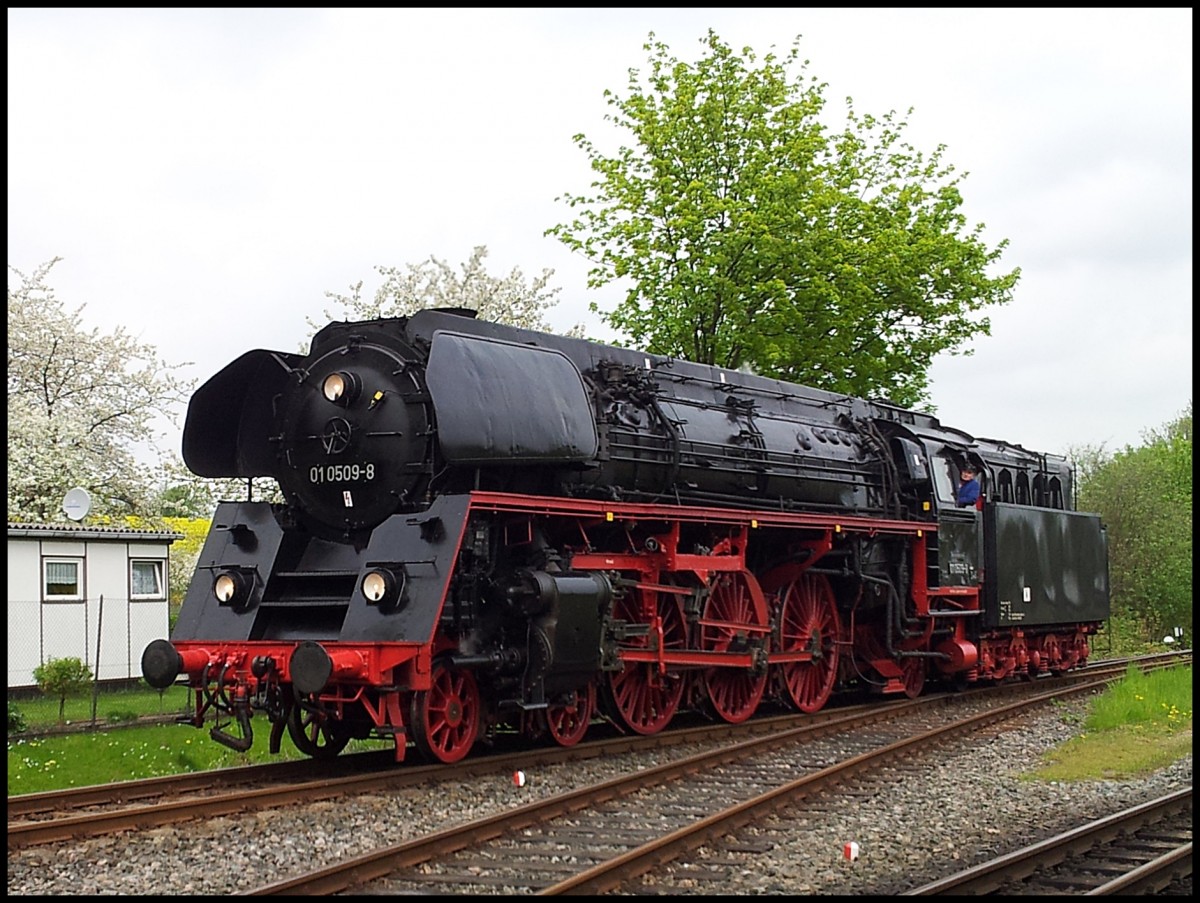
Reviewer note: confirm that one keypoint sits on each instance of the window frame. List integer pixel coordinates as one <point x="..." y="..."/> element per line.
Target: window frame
<point x="160" y="566"/>
<point x="945" y="471"/>
<point x="80" y="593"/>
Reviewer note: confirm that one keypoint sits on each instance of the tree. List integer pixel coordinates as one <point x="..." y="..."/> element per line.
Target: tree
<point x="62" y="677"/>
<point x="749" y="235"/>
<point x="1144" y="498"/>
<point x="78" y="402"/>
<point x="434" y="283"/>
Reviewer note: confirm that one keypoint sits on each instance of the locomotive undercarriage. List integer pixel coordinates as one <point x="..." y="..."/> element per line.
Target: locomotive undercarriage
<point x="716" y="611"/>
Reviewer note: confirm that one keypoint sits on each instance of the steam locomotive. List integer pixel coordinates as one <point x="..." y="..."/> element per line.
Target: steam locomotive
<point x="490" y="530"/>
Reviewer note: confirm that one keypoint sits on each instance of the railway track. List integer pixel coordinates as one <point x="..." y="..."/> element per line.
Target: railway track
<point x="59" y="816"/>
<point x="137" y="805"/>
<point x="602" y="838"/>
<point x="1140" y="850"/>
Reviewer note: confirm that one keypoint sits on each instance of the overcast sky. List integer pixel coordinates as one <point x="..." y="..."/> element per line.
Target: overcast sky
<point x="208" y="174"/>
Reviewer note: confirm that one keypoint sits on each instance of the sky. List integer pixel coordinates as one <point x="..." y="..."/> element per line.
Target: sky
<point x="208" y="175"/>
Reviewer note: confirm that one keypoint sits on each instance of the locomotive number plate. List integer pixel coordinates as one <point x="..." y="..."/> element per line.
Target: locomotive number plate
<point x="341" y="473"/>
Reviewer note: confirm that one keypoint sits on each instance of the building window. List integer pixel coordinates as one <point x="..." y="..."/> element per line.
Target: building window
<point x="146" y="579"/>
<point x="62" y="579"/>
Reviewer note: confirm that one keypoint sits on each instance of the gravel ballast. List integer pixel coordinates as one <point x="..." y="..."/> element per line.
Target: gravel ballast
<point x="946" y="814"/>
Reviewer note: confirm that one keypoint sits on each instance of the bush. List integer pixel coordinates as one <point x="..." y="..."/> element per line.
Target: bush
<point x="16" y="721"/>
<point x="62" y="677"/>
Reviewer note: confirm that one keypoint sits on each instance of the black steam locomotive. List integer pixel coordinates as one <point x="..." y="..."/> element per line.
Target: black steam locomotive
<point x="489" y="529"/>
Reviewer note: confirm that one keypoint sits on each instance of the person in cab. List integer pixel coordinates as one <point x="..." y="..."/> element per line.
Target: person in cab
<point x="968" y="489"/>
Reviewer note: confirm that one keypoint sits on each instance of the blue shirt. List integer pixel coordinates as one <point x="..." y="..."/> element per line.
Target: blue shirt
<point x="968" y="493"/>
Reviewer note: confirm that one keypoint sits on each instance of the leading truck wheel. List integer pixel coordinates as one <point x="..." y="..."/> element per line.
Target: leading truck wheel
<point x="314" y="734"/>
<point x="445" y="718"/>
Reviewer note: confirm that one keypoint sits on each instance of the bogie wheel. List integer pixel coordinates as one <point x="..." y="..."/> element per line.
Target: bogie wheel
<point x="639" y="696"/>
<point x="445" y="718"/>
<point x="735" y="692"/>
<point x="568" y="722"/>
<point x="915" y="669"/>
<point x="809" y="622"/>
<point x="1052" y="656"/>
<point x="314" y="733"/>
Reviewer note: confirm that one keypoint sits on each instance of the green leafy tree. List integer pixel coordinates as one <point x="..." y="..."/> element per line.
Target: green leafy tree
<point x="79" y="401"/>
<point x="62" y="677"/>
<point x="183" y="494"/>
<point x="749" y="234"/>
<point x="434" y="283"/>
<point x="187" y="500"/>
<point x="1144" y="497"/>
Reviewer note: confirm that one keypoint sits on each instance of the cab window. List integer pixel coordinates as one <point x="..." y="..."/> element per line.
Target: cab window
<point x="945" y="477"/>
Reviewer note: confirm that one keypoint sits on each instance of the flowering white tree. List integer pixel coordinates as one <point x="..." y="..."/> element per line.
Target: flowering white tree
<point x="434" y="283"/>
<point x="79" y="404"/>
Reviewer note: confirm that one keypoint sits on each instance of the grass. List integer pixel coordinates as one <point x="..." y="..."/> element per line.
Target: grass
<point x="39" y="761"/>
<point x="113" y="748"/>
<point x="128" y="753"/>
<point x="112" y="706"/>
<point x="1142" y="723"/>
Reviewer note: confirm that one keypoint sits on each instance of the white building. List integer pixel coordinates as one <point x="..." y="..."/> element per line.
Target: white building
<point x="98" y="594"/>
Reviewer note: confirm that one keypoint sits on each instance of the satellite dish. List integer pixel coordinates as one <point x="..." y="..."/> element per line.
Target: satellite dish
<point x="77" y="503"/>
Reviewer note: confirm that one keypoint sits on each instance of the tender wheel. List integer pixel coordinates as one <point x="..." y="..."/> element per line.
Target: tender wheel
<point x="568" y="722"/>
<point x="733" y="693"/>
<point x="315" y="734"/>
<point x="809" y="623"/>
<point x="638" y="696"/>
<point x="1052" y="654"/>
<point x="445" y="718"/>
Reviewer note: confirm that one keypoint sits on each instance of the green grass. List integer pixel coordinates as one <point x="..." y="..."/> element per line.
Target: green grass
<point x="112" y="706"/>
<point x="124" y="754"/>
<point x="1142" y="723"/>
<point x="99" y="755"/>
<point x="1161" y="699"/>
<point x="117" y="750"/>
